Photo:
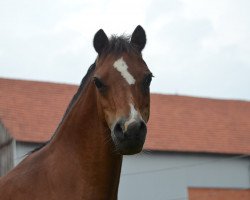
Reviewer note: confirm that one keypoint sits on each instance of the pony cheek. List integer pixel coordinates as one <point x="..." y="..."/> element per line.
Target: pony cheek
<point x="105" y="111"/>
<point x="109" y="118"/>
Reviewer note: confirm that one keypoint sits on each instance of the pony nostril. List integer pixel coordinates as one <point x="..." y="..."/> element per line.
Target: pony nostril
<point x="142" y="129"/>
<point x="143" y="126"/>
<point x="137" y="130"/>
<point x="118" y="131"/>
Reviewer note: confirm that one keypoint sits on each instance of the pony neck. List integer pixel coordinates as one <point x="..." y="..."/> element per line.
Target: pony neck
<point x="85" y="139"/>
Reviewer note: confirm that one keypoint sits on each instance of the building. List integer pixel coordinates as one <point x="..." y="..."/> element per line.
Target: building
<point x="196" y="148"/>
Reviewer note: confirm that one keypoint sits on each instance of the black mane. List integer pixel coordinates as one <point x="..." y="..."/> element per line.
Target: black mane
<point x="118" y="45"/>
<point x="81" y="87"/>
<point x="72" y="102"/>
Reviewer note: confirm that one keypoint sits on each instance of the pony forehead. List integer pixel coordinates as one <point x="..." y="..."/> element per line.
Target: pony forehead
<point x="121" y="66"/>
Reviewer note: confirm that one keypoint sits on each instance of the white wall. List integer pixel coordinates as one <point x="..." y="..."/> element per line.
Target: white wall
<point x="22" y="148"/>
<point x="167" y="176"/>
<point x="6" y="151"/>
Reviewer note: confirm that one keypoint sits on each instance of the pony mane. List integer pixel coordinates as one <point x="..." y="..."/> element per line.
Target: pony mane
<point x="79" y="91"/>
<point x="71" y="104"/>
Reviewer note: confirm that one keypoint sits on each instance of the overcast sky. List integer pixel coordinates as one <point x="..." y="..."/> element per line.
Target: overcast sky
<point x="198" y="48"/>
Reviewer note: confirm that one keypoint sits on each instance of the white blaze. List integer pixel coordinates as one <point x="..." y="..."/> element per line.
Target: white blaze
<point x="121" y="66"/>
<point x="132" y="117"/>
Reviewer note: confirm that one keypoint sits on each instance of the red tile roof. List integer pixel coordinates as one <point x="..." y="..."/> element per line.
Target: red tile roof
<point x="31" y="111"/>
<point x="181" y="123"/>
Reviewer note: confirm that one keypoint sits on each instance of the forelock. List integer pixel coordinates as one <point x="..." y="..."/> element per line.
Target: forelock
<point x="119" y="44"/>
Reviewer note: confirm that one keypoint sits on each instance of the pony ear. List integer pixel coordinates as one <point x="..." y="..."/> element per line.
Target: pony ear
<point x="100" y="41"/>
<point x="138" y="38"/>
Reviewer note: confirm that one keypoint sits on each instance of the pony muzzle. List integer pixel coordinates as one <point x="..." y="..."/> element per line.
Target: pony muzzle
<point x="129" y="137"/>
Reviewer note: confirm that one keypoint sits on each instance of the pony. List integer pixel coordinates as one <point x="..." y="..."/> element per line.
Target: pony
<point x="105" y="120"/>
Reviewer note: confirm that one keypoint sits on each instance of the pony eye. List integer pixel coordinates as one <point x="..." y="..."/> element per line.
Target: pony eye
<point x="99" y="84"/>
<point x="146" y="83"/>
<point x="147" y="80"/>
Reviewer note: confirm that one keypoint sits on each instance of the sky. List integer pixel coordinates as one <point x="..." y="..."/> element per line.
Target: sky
<point x="196" y="48"/>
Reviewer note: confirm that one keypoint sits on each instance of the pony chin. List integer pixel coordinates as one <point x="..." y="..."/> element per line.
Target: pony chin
<point x="127" y="147"/>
